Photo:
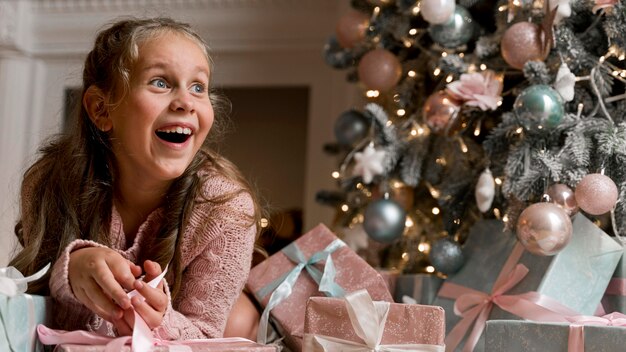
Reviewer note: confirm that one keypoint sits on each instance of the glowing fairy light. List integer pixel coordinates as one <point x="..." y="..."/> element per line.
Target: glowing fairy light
<point x="430" y="269"/>
<point x="372" y="93"/>
<point x="344" y="207"/>
<point x="411" y="73"/>
<point x="335" y="174"/>
<point x="436" y="211"/>
<point x="412" y="31"/>
<point x="437" y="71"/>
<point x="483" y="67"/>
<point x="400" y="112"/>
<point x="498" y="181"/>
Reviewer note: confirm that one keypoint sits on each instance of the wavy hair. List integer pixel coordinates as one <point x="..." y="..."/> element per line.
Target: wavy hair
<point x="67" y="193"/>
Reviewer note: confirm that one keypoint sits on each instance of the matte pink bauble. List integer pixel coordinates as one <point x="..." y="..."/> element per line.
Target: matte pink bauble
<point x="440" y="113"/>
<point x="522" y="42"/>
<point x="351" y="28"/>
<point x="596" y="194"/>
<point x="562" y="195"/>
<point x="379" y="69"/>
<point x="544" y="228"/>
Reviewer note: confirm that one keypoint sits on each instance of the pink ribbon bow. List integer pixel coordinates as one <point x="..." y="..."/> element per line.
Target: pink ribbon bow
<point x="474" y="306"/>
<point x="576" y="339"/>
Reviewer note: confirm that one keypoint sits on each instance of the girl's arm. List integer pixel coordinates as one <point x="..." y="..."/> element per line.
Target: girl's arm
<point x="217" y="272"/>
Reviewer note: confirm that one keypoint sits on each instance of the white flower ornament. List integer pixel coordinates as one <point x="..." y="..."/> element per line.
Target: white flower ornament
<point x="565" y="81"/>
<point x="368" y="163"/>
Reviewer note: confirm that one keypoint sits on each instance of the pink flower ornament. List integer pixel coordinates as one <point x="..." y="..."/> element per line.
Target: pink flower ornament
<point x="603" y="4"/>
<point x="480" y="89"/>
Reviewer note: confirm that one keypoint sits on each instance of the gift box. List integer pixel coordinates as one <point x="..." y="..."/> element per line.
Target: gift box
<point x="20" y="316"/>
<point x="573" y="281"/>
<point x="523" y="336"/>
<point x="421" y="287"/>
<point x="615" y="295"/>
<point x="353" y="322"/>
<point x="317" y="261"/>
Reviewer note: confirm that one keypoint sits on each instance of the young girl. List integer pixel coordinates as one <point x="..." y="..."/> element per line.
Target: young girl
<point x="134" y="188"/>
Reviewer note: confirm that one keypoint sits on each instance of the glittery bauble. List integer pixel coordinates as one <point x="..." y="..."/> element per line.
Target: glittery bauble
<point x="351" y="28"/>
<point x="440" y="113"/>
<point x="437" y="11"/>
<point x="562" y="195"/>
<point x="383" y="220"/>
<point x="522" y="42"/>
<point x="596" y="194"/>
<point x="379" y="69"/>
<point x="446" y="256"/>
<point x="539" y="105"/>
<point x="351" y="127"/>
<point x="544" y="228"/>
<point x="456" y="31"/>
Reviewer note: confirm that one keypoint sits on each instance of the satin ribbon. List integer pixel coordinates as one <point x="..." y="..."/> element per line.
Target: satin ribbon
<point x="368" y="320"/>
<point x="12" y="282"/>
<point x="142" y="339"/>
<point x="474" y="306"/>
<point x="283" y="286"/>
<point x="576" y="339"/>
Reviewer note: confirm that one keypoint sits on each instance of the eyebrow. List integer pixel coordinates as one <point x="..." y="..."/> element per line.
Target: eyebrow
<point x="163" y="65"/>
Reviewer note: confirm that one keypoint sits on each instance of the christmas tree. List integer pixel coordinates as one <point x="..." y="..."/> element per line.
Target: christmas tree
<point x="512" y="110"/>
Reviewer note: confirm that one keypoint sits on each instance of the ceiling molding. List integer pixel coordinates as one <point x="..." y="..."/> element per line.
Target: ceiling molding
<point x="79" y="6"/>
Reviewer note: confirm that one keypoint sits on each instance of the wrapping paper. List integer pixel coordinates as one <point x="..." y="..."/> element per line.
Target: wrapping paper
<point x="247" y="346"/>
<point x="615" y="296"/>
<point x="352" y="273"/>
<point x="20" y="315"/>
<point x="404" y="324"/>
<point x="421" y="287"/>
<point x="576" y="277"/>
<point x="525" y="336"/>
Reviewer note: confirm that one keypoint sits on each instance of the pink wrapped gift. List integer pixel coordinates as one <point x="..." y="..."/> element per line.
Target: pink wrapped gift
<point x="356" y="323"/>
<point x="209" y="346"/>
<point x="315" y="264"/>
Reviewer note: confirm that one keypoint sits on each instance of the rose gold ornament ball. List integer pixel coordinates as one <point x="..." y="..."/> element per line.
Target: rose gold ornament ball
<point x="522" y="42"/>
<point x="544" y="228"/>
<point x="596" y="194"/>
<point x="351" y="28"/>
<point x="440" y="112"/>
<point x="379" y="69"/>
<point x="562" y="195"/>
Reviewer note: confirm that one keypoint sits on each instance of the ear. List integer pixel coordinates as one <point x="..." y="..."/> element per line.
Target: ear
<point x="94" y="101"/>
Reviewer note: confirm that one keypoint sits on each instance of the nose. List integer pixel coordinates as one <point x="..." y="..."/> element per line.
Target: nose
<point x="182" y="101"/>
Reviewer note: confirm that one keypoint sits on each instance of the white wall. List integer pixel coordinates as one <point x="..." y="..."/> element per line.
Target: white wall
<point x="255" y="43"/>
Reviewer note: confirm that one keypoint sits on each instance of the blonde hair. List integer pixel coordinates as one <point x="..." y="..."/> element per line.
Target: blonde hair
<point x="73" y="178"/>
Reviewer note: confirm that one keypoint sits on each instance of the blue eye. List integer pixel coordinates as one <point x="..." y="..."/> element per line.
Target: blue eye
<point x="198" y="88"/>
<point x="159" y="83"/>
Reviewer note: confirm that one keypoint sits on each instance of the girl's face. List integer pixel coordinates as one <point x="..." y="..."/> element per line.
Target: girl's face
<point x="163" y="121"/>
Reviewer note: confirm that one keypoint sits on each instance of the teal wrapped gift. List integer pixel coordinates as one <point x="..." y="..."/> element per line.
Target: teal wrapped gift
<point x="615" y="296"/>
<point x="19" y="312"/>
<point x="422" y="288"/>
<point x="524" y="336"/>
<point x="499" y="277"/>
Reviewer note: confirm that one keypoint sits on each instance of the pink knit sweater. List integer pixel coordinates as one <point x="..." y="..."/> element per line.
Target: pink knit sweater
<point x="216" y="255"/>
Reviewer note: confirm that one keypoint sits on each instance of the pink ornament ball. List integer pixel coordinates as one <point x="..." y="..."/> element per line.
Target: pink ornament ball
<point x="437" y="11"/>
<point x="522" y="42"/>
<point x="544" y="229"/>
<point x="379" y="69"/>
<point x="562" y="195"/>
<point x="440" y="113"/>
<point x="351" y="28"/>
<point x="596" y="194"/>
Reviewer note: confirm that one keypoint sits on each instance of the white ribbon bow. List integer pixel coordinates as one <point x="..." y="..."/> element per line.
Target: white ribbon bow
<point x="12" y="282"/>
<point x="368" y="319"/>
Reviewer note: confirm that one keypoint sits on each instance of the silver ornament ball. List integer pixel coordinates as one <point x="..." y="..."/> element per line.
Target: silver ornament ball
<point x="456" y="31"/>
<point x="539" y="105"/>
<point x="446" y="256"/>
<point x="383" y="220"/>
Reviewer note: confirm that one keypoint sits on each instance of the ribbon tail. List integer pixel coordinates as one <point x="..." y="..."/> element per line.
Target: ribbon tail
<point x="142" y="335"/>
<point x="117" y="344"/>
<point x="460" y="329"/>
<point x="479" y="327"/>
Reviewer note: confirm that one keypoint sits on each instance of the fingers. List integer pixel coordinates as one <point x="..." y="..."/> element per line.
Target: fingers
<point x="152" y="305"/>
<point x="98" y="303"/>
<point x="124" y="325"/>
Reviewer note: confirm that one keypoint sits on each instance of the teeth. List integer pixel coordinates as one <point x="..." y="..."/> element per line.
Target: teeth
<point x="179" y="130"/>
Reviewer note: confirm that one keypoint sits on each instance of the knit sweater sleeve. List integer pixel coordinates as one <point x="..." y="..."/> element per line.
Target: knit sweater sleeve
<point x="217" y="253"/>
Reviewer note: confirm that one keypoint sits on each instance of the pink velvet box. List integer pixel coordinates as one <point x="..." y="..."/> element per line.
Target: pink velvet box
<point x="406" y="323"/>
<point x="353" y="273"/>
<point x="209" y="347"/>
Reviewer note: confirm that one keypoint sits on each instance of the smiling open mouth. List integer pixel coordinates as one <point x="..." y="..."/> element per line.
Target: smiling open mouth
<point x="174" y="135"/>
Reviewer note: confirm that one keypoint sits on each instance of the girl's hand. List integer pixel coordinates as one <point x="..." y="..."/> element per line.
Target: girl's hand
<point x="98" y="277"/>
<point x="151" y="307"/>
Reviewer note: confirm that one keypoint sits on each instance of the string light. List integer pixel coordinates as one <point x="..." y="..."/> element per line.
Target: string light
<point x="449" y="78"/>
<point x="408" y="222"/>
<point x="335" y="174"/>
<point x="372" y="93"/>
<point x="441" y="161"/>
<point x="430" y="269"/>
<point x="503" y="8"/>
<point x="413" y="132"/>
<point x="435" y="211"/>
<point x="496" y="213"/>
<point x="411" y="73"/>
<point x="483" y="67"/>
<point x="389" y="123"/>
<point x="400" y="112"/>
<point x="412" y="31"/>
<point x="437" y="71"/>
<point x="498" y="181"/>
<point x="519" y="130"/>
<point x="444" y="54"/>
<point x="416" y="9"/>
<point x="505" y="218"/>
<point x="405" y="256"/>
<point x="344" y="207"/>
<point x="464" y="148"/>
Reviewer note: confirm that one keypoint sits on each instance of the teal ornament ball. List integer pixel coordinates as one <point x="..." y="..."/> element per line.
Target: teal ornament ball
<point x="539" y="105"/>
<point x="446" y="256"/>
<point x="383" y="220"/>
<point x="458" y="30"/>
<point x="351" y="127"/>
